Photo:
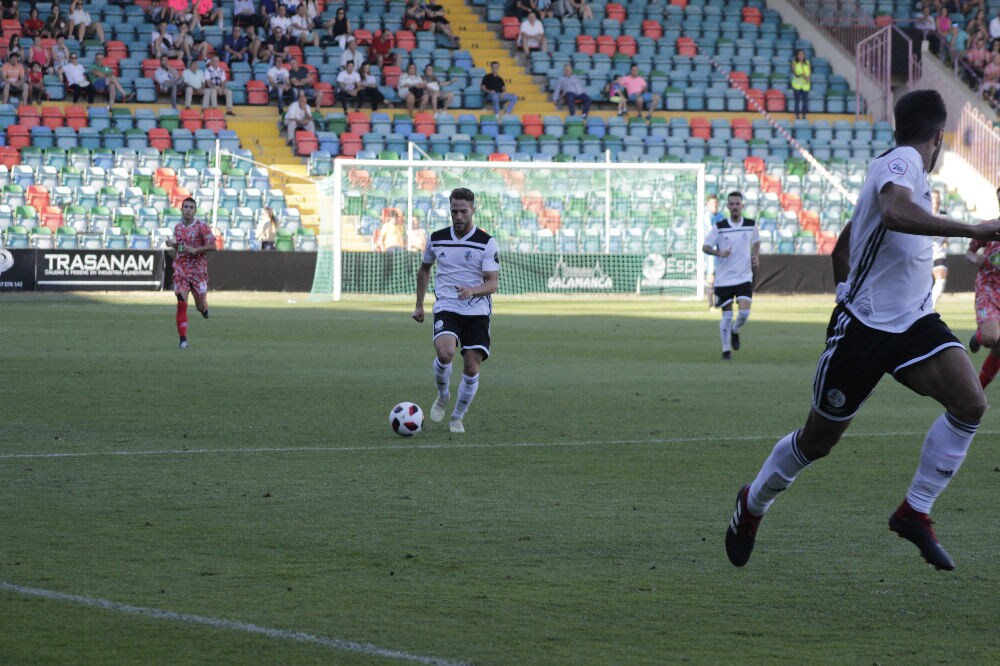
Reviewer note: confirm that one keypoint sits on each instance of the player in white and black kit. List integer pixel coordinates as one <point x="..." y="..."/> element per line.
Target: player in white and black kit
<point x="939" y="247"/>
<point x="735" y="241"/>
<point x="468" y="272"/>
<point x="884" y="323"/>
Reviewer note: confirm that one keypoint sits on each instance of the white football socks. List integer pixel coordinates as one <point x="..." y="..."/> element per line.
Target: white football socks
<point x="466" y="392"/>
<point x="937" y="290"/>
<point x="777" y="473"/>
<point x="442" y="377"/>
<point x="944" y="450"/>
<point x="741" y="319"/>
<point x="725" y="330"/>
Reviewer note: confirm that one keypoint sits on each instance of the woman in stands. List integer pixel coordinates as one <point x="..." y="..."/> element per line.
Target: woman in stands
<point x="57" y="24"/>
<point x="339" y="28"/>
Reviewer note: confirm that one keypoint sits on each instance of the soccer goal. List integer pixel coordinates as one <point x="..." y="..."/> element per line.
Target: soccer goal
<point x="562" y="228"/>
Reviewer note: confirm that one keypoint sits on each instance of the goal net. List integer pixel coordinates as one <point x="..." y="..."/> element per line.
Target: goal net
<point x="562" y="228"/>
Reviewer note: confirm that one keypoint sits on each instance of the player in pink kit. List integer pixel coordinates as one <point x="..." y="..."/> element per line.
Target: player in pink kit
<point x="192" y="239"/>
<point x="987" y="305"/>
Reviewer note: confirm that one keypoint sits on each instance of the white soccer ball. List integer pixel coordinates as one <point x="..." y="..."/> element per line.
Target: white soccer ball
<point x="406" y="419"/>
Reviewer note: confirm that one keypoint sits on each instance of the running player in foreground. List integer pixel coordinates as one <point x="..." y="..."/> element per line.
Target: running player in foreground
<point x="192" y="239"/>
<point x="884" y="323"/>
<point x="468" y="271"/>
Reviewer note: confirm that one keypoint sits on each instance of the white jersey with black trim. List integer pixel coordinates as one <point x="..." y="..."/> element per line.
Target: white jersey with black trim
<point x="890" y="279"/>
<point x="739" y="237"/>
<point x="461" y="262"/>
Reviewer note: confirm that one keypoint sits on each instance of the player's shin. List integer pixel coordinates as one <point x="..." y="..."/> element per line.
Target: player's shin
<point x="944" y="450"/>
<point x="466" y="392"/>
<point x="442" y="378"/>
<point x="725" y="330"/>
<point x="777" y="473"/>
<point x="182" y="318"/>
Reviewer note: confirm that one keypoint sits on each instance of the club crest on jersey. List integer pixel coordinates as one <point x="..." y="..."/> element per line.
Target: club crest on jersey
<point x="898" y="167"/>
<point x="468" y="255"/>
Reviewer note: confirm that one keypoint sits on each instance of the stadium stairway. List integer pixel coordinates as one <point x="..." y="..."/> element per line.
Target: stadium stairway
<point x="485" y="45"/>
<point x="257" y="127"/>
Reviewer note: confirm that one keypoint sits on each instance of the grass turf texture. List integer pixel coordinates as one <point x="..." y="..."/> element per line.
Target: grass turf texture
<point x="254" y="478"/>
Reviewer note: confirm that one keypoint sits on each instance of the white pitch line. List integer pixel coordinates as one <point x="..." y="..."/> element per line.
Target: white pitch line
<point x="431" y="447"/>
<point x="234" y="625"/>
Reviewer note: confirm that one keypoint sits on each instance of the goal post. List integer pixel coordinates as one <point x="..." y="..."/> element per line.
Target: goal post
<point x="562" y="227"/>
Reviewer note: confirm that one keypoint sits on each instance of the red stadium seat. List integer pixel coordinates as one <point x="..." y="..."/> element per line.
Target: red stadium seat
<point x="18" y="136"/>
<point x="350" y="144"/>
<point x="257" y="93"/>
<point x="405" y="40"/>
<point x="359" y="122"/>
<point x="652" y="29"/>
<point x="324" y="93"/>
<point x="305" y="143"/>
<point x="28" y="116"/>
<point x="742" y="129"/>
<point x="586" y="44"/>
<point x="686" y="47"/>
<point x="498" y="157"/>
<point x="774" y="100"/>
<point x="615" y="11"/>
<point x="76" y="117"/>
<point x="754" y="165"/>
<point x="52" y="117"/>
<point x="606" y="45"/>
<point x="626" y="45"/>
<point x="159" y="138"/>
<point x="510" y="27"/>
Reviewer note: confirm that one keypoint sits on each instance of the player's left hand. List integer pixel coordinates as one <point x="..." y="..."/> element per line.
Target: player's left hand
<point x="418" y="315"/>
<point x="465" y="293"/>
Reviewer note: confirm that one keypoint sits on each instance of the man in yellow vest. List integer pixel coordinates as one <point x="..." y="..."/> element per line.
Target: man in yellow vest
<point x="801" y="83"/>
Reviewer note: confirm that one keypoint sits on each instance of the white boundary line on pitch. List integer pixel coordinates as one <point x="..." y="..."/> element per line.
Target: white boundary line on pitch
<point x="431" y="447"/>
<point x="233" y="625"/>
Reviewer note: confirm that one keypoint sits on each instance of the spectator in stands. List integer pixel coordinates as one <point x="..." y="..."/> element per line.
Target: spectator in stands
<point x="437" y="15"/>
<point x="977" y="56"/>
<point x="416" y="236"/>
<point x="434" y="92"/>
<point x="349" y="86"/>
<point x="9" y="10"/>
<point x="572" y="8"/>
<point x="167" y="80"/>
<point x="991" y="78"/>
<point x="215" y="80"/>
<point x="204" y="12"/>
<point x="414" y="16"/>
<point x="801" y="83"/>
<point x="635" y="89"/>
<point x="301" y="79"/>
<point x="524" y="7"/>
<point x="261" y="51"/>
<point x="995" y="26"/>
<point x="161" y="43"/>
<point x="313" y="11"/>
<point x="82" y="25"/>
<point x="391" y="236"/>
<point x="14" y="45"/>
<point x="339" y="28"/>
<point x="13" y="77"/>
<point x="265" y="10"/>
<point x="281" y="20"/>
<point x="495" y="89"/>
<point x="76" y="79"/>
<point x="35" y="85"/>
<point x="369" y="87"/>
<point x="411" y="88"/>
<point x="925" y="22"/>
<point x="103" y="80"/>
<point x="278" y="42"/>
<point x="57" y="25"/>
<point x="33" y="25"/>
<point x="380" y="52"/>
<point x="194" y="83"/>
<point x="60" y="55"/>
<point x="532" y="35"/>
<point x="245" y="14"/>
<point x="189" y="47"/>
<point x="298" y="117"/>
<point x="279" y="83"/>
<point x="267" y="229"/>
<point x="569" y="90"/>
<point x="235" y="46"/>
<point x="301" y="28"/>
<point x="39" y="53"/>
<point x="352" y="54"/>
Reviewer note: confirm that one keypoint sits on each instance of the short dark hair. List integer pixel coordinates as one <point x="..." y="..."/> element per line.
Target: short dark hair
<point x="734" y="193"/>
<point x="920" y="114"/>
<point x="463" y="194"/>
<point x="191" y="199"/>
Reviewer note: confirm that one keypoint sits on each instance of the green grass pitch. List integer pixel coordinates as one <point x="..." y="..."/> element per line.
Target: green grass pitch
<point x="244" y="501"/>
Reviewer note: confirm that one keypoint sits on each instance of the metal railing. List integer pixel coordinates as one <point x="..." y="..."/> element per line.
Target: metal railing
<point x="977" y="141"/>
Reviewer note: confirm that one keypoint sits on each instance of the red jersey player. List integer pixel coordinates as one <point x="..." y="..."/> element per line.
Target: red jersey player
<point x="987" y="305"/>
<point x="192" y="239"/>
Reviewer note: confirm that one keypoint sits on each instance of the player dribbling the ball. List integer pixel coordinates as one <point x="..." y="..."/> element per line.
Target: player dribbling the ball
<point x="468" y="272"/>
<point x="192" y="239"/>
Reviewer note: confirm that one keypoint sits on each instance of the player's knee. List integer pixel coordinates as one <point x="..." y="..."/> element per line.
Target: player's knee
<point x="970" y="410"/>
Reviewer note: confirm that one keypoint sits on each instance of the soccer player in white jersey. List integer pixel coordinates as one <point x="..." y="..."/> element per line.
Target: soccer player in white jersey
<point x="884" y="323"/>
<point x="468" y="272"/>
<point x="735" y="242"/>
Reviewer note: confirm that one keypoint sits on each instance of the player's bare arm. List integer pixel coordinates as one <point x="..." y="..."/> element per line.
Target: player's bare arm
<point x="841" y="255"/>
<point x="490" y="283"/>
<point x="900" y="213"/>
<point x="708" y="249"/>
<point x="423" y="279"/>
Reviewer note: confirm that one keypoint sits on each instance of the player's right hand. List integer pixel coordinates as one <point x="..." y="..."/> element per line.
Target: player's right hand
<point x="987" y="230"/>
